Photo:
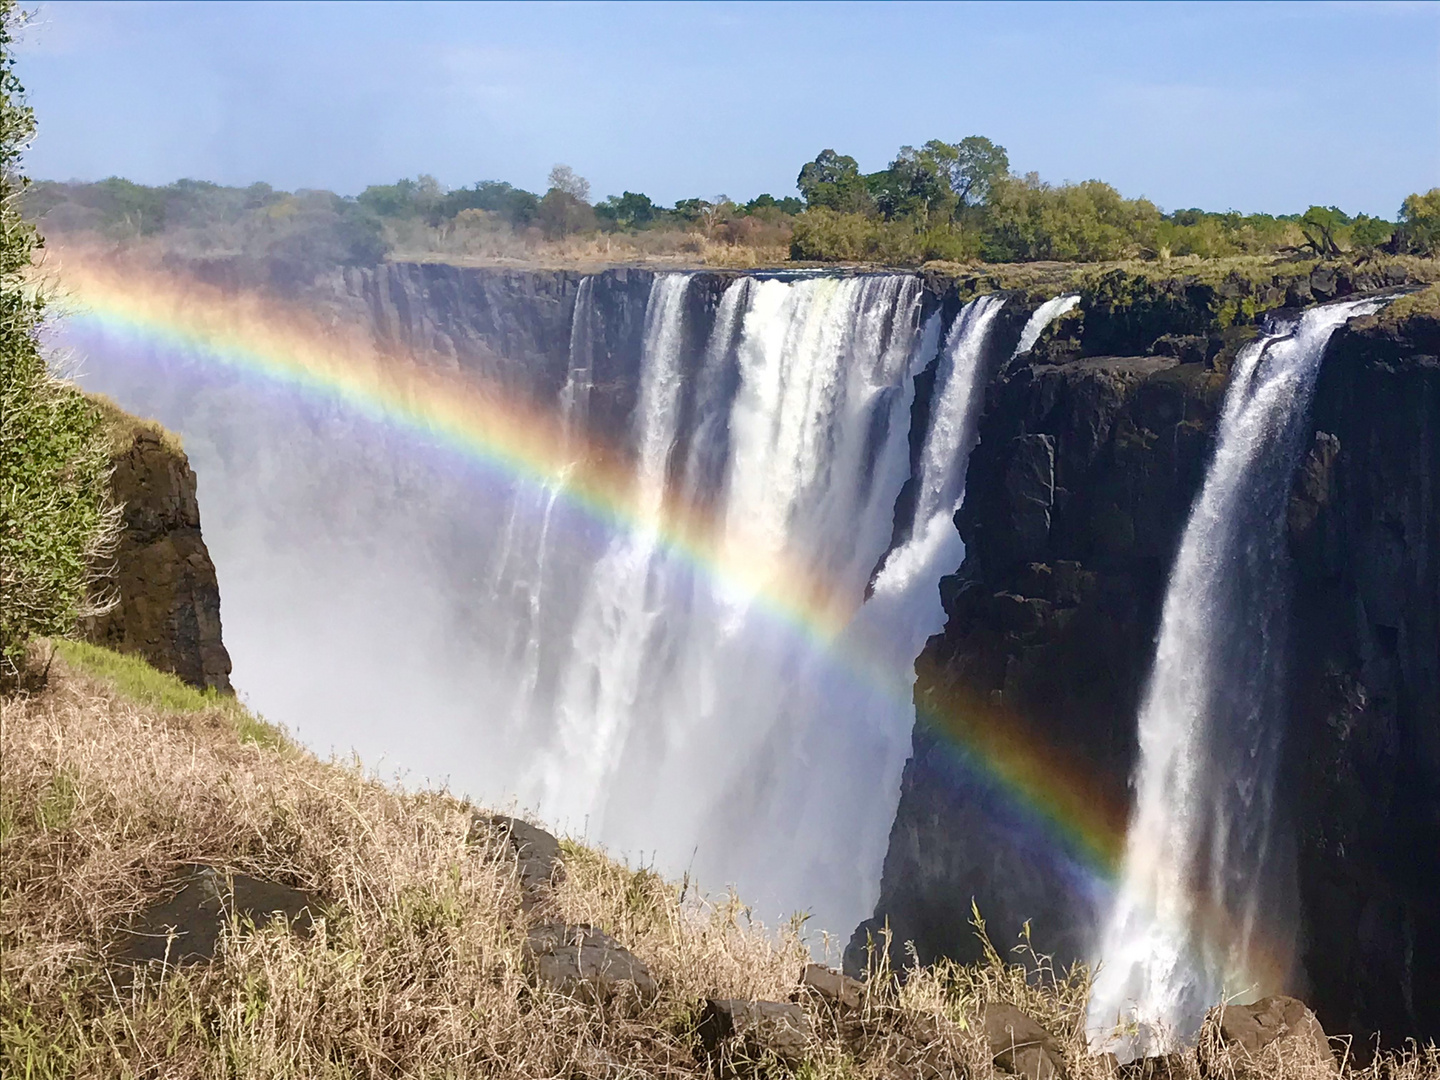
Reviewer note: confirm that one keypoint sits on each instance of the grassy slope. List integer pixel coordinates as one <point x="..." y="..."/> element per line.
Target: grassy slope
<point x="116" y="774"/>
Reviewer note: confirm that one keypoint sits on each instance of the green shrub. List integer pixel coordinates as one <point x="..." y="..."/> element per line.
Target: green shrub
<point x="55" y="518"/>
<point x="1420" y="222"/>
<point x="1086" y="222"/>
<point x="824" y="235"/>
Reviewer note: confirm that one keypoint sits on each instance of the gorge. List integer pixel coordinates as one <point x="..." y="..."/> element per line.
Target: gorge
<point x="951" y="710"/>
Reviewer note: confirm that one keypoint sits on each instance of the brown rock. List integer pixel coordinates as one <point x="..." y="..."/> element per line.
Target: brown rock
<point x="837" y="990"/>
<point x="167" y="599"/>
<point x="1278" y="1028"/>
<point x="186" y="928"/>
<point x="585" y="962"/>
<point x="537" y="853"/>
<point x="1020" y="1046"/>
<point x="755" y="1029"/>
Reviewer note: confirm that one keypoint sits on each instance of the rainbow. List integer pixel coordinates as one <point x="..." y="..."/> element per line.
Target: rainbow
<point x="286" y="347"/>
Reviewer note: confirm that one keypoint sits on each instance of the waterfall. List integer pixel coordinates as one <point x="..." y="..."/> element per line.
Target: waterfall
<point x="1201" y="909"/>
<point x="680" y="691"/>
<point x="1042" y="317"/>
<point x="457" y="624"/>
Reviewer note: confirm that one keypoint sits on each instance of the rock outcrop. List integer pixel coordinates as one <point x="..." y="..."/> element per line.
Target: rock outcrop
<point x="167" y="598"/>
<point x="1075" y="499"/>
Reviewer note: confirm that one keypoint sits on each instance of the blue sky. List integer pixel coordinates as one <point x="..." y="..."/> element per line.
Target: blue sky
<point x="1256" y="107"/>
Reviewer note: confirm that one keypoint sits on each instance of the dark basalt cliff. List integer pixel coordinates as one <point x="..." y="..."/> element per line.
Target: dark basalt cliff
<point x="167" y="599"/>
<point x="1365" y="726"/>
<point x="1077" y="495"/>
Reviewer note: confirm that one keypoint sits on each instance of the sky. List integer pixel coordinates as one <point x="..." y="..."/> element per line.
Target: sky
<point x="1253" y="107"/>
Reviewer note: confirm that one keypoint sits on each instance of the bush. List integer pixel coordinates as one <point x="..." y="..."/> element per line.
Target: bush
<point x="55" y="519"/>
<point x="823" y="235"/>
<point x="1086" y="222"/>
<point x="1420" y="223"/>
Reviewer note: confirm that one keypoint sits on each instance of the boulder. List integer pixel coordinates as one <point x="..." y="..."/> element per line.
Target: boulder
<point x="1020" y="1046"/>
<point x="836" y="990"/>
<point x="186" y="928"/>
<point x="755" y="1029"/>
<point x="537" y="853"/>
<point x="1261" y="1036"/>
<point x="585" y="962"/>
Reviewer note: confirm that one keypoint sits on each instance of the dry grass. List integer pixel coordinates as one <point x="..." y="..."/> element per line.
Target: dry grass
<point x="415" y="968"/>
<point x="661" y="248"/>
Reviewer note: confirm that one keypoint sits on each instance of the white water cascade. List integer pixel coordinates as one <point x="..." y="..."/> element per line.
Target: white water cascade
<point x="679" y="692"/>
<point x="1203" y="907"/>
<point x="1042" y="317"/>
<point x="382" y="597"/>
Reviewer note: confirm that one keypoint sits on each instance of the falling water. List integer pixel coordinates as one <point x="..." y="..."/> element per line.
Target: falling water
<point x="1042" y="317"/>
<point x="1201" y="909"/>
<point x="600" y="679"/>
<point x="678" y="689"/>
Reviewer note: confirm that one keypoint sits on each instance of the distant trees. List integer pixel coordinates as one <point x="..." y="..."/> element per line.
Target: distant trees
<point x="1420" y="223"/>
<point x="630" y="210"/>
<point x="833" y="181"/>
<point x="1320" y="225"/>
<point x="942" y="200"/>
<point x="960" y="200"/>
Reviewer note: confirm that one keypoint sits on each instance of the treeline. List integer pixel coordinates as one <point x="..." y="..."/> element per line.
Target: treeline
<point x="960" y="202"/>
<point x="956" y="202"/>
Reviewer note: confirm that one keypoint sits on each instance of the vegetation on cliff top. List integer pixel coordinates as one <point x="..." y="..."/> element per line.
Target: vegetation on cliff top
<point x="55" y="517"/>
<point x="956" y="202"/>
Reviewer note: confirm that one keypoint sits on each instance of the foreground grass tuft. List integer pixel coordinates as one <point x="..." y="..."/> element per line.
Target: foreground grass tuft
<point x="135" y="679"/>
<point x="115" y="776"/>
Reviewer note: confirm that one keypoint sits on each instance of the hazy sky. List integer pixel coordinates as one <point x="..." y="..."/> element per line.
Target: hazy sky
<point x="1265" y="107"/>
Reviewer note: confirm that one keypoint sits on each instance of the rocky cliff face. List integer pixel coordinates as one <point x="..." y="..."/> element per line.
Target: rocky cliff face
<point x="1365" y="727"/>
<point x="168" y="601"/>
<point x="1077" y="495"/>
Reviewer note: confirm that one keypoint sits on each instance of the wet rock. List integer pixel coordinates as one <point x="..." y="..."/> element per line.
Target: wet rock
<point x="1313" y="487"/>
<point x="585" y="962"/>
<point x="186" y="928"/>
<point x="836" y="990"/>
<point x="1030" y="485"/>
<point x="1020" y="1046"/>
<point x="1187" y="348"/>
<point x="1244" y="1040"/>
<point x="752" y="1030"/>
<point x="537" y="853"/>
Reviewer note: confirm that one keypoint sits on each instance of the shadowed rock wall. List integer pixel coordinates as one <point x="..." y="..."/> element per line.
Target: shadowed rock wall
<point x="168" y="601"/>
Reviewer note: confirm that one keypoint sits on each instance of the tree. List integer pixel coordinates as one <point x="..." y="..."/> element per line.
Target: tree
<point x="1420" y="222"/>
<point x="630" y="210"/>
<point x="564" y="178"/>
<point x="55" y="514"/>
<point x="763" y="204"/>
<point x="917" y="183"/>
<point x="833" y="180"/>
<point x="1368" y="234"/>
<point x="977" y="165"/>
<point x="1319" y="224"/>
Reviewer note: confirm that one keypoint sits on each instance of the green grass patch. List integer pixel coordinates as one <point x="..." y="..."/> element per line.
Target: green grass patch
<point x="136" y="679"/>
